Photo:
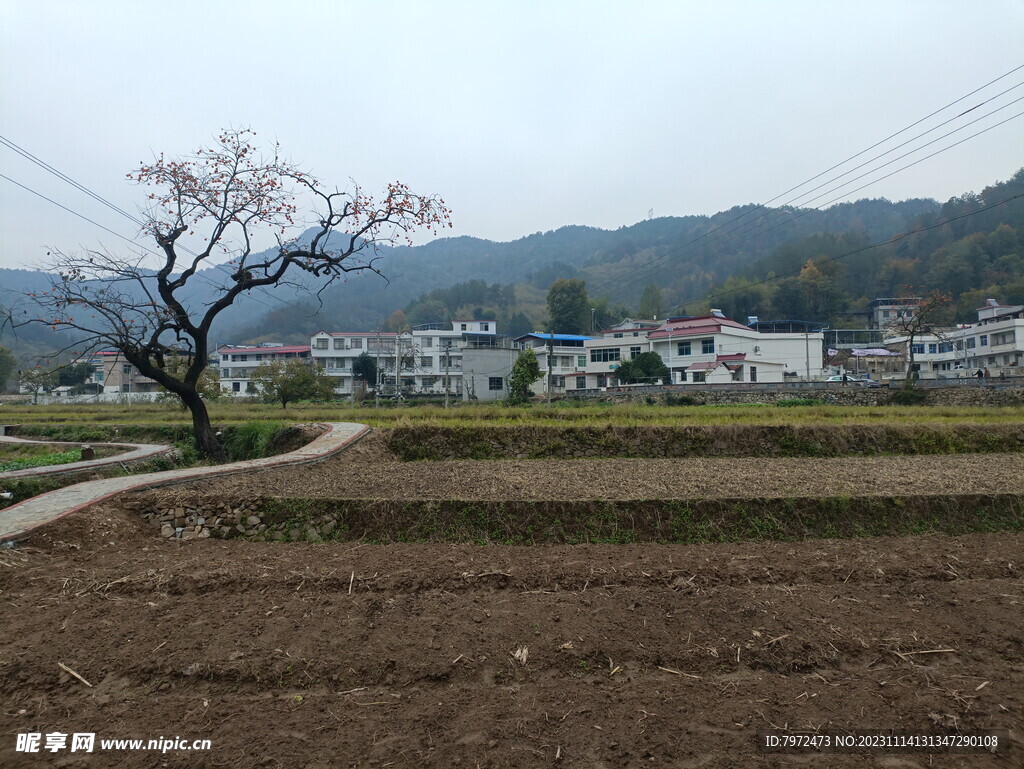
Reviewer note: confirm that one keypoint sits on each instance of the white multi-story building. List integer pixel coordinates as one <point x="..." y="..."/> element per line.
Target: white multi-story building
<point x="995" y="342"/>
<point x="237" y="364"/>
<point x="709" y="349"/>
<point x="426" y="360"/>
<point x="567" y="355"/>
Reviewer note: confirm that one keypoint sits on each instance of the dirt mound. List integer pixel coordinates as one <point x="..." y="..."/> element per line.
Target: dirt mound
<point x="317" y="656"/>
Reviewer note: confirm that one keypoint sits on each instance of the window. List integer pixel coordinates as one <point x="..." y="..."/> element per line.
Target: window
<point x="339" y="344"/>
<point x="558" y="381"/>
<point x="236" y="387"/>
<point x="463" y="328"/>
<point x="224" y="358"/>
<point x="321" y="344"/>
<point x="634" y="351"/>
<point x="753" y="373"/>
<point x="495" y="383"/>
<point x="243" y="358"/>
<point x="581" y="361"/>
<point x="970" y="343"/>
<point x="945" y="347"/>
<point x="127" y="369"/>
<point x="684" y="348"/>
<point x="617" y="335"/>
<point x="566" y="361"/>
<point x="428" y="381"/>
<point x="356" y="344"/>
<point x="983" y="341"/>
<point x="707" y="346"/>
<point x="581" y="383"/>
<point x="427" y="341"/>
<point x="636" y="333"/>
<point x="426" y="361"/>
<point x="699" y="376"/>
<point x="932" y="349"/>
<point x="917" y="349"/>
<point x="224" y="373"/>
<point x="485" y="326"/>
<point x="604" y="355"/>
<point x="260" y="357"/>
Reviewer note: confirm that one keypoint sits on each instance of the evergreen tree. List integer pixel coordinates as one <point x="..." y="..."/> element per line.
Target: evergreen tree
<point x="525" y="371"/>
<point x="568" y="306"/>
<point x="652" y="305"/>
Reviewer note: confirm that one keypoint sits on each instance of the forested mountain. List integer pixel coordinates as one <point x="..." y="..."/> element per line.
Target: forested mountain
<point x="749" y="260"/>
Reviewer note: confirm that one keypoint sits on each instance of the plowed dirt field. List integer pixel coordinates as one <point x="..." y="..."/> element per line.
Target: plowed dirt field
<point x="349" y="655"/>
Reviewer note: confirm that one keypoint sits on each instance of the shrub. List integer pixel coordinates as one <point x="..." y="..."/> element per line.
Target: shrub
<point x="251" y="439"/>
<point x="788" y="402"/>
<point x="908" y="397"/>
<point x="679" y="400"/>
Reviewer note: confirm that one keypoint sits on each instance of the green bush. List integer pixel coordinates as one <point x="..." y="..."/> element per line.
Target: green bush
<point x="908" y="397"/>
<point x="680" y="400"/>
<point x="250" y="439"/>
<point x="788" y="402"/>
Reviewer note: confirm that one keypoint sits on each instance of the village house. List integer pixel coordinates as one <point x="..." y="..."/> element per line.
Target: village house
<point x="995" y="342"/>
<point x="428" y="359"/>
<point x="111" y="373"/>
<point x="237" y="364"/>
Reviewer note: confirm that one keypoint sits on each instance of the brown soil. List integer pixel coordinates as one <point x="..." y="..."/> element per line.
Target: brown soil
<point x="350" y="475"/>
<point x="347" y="655"/>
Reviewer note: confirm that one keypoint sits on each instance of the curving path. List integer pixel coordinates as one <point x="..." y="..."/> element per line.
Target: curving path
<point x="136" y="452"/>
<point x="17" y="521"/>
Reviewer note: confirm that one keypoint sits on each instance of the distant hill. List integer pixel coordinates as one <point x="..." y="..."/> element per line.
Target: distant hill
<point x="690" y="258"/>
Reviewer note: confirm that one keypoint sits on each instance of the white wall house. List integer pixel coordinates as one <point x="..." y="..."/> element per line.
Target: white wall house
<point x="426" y="360"/>
<point x="237" y="364"/>
<point x="567" y="355"/>
<point x="708" y="349"/>
<point x="995" y="342"/>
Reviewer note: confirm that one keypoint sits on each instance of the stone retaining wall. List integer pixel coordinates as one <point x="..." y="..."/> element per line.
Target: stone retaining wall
<point x="965" y="395"/>
<point x="425" y="442"/>
<point x="574" y="521"/>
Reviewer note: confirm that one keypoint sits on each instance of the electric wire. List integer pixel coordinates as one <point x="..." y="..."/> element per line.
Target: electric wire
<point x="763" y="206"/>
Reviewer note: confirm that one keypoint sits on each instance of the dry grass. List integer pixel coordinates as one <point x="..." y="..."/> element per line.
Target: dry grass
<point x="625" y="415"/>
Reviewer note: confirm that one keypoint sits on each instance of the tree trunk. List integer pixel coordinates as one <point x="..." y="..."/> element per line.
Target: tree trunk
<point x="206" y="438"/>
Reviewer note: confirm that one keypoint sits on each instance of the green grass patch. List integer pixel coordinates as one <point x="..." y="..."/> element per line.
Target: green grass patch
<point x="698" y="521"/>
<point x="95" y="422"/>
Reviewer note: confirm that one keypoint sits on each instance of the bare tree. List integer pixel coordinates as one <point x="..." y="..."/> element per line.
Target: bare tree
<point x="218" y="199"/>
<point x="924" y="315"/>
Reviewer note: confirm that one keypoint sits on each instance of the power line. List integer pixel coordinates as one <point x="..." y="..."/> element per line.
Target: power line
<point x="888" y="241"/>
<point x="763" y="206"/>
<point x="198" y="275"/>
<point x="891" y="173"/>
<point x="793" y="201"/>
<point x="60" y="175"/>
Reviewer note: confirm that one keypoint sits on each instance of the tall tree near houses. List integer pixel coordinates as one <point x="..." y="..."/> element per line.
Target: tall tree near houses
<point x="926" y="314"/>
<point x="652" y="305"/>
<point x="205" y="208"/>
<point x="568" y="306"/>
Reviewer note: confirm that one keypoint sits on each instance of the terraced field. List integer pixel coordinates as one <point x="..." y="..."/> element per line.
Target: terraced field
<point x="442" y="653"/>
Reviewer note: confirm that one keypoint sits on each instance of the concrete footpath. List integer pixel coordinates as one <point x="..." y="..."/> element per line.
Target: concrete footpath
<point x="17" y="521"/>
<point x="134" y="453"/>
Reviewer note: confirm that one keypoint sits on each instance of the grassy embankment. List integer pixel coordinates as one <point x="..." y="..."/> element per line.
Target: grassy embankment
<point x="110" y="421"/>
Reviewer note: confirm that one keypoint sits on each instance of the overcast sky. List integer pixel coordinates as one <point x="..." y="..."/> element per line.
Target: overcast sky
<point x="525" y="116"/>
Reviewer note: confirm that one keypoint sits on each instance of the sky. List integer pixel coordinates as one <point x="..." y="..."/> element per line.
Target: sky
<point x="524" y="116"/>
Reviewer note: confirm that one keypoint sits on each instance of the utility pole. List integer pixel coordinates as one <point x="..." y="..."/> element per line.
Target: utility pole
<point x="447" y="362"/>
<point x="376" y="384"/>
<point x="551" y="347"/>
<point x="807" y="350"/>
